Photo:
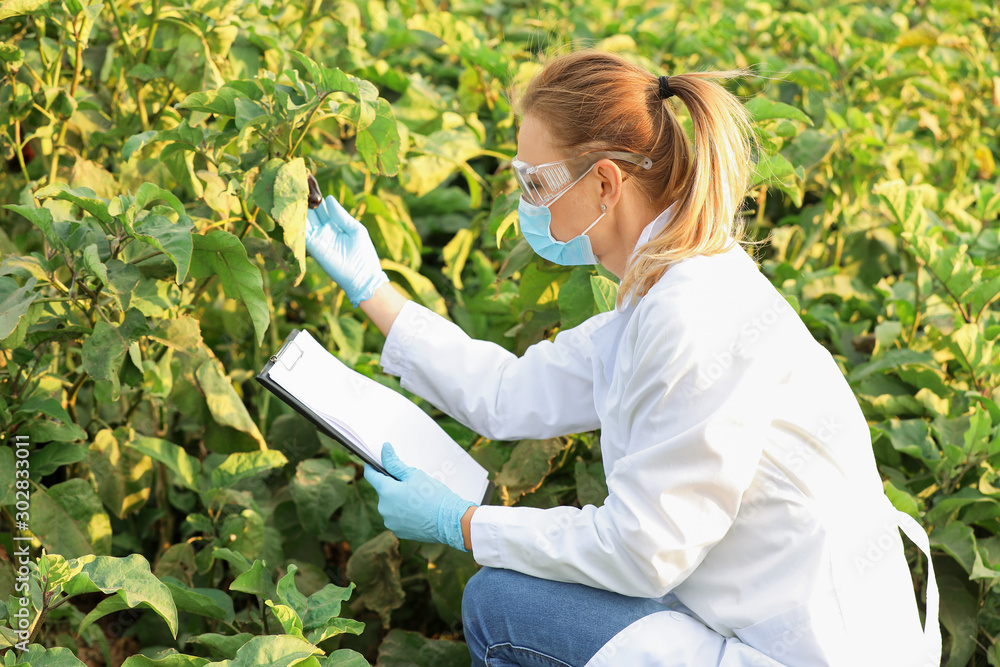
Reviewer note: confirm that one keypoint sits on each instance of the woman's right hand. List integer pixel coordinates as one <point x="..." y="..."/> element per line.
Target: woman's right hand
<point x="344" y="249"/>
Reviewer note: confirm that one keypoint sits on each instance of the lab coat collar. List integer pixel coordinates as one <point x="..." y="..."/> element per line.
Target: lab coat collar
<point x="605" y="338"/>
<point x="655" y="227"/>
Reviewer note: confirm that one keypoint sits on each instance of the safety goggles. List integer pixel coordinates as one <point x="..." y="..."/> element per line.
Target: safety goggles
<point x="541" y="184"/>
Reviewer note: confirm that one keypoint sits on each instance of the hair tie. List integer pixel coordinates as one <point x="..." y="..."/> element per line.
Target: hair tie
<point x="665" y="91"/>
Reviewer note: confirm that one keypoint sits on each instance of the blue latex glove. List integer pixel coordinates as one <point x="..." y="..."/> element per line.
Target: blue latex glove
<point x="343" y="248"/>
<point x="418" y="507"/>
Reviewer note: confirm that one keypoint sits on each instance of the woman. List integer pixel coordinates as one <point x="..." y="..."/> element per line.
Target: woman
<point x="745" y="522"/>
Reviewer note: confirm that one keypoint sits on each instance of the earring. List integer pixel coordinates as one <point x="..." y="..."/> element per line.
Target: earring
<point x="604" y="207"/>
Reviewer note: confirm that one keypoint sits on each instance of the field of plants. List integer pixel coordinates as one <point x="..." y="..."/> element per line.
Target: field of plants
<point x="153" y="190"/>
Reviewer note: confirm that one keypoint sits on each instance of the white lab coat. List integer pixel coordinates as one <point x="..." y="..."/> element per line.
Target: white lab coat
<point x="742" y="487"/>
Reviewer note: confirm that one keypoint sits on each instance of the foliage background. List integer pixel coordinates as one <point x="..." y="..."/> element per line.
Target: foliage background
<point x="153" y="259"/>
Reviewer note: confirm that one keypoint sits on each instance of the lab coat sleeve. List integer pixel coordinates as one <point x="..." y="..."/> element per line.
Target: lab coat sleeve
<point x="546" y="392"/>
<point x="691" y="407"/>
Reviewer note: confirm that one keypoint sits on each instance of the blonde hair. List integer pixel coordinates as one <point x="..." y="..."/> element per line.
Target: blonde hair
<point x="595" y="101"/>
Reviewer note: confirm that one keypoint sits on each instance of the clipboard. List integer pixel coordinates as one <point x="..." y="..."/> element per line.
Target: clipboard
<point x="293" y="355"/>
<point x="288" y="356"/>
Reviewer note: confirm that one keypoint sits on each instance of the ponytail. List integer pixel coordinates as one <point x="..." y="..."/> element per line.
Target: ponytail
<point x="595" y="101"/>
<point x="705" y="220"/>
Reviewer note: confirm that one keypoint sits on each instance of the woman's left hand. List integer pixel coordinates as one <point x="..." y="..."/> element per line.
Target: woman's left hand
<point x="417" y="507"/>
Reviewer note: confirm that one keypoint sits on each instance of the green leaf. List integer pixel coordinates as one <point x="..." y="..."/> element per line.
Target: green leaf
<point x="273" y="651"/>
<point x="37" y="655"/>
<point x="165" y="659"/>
<point x="576" y="298"/>
<point x="42" y="218"/>
<point x="605" y="292"/>
<point x="129" y="578"/>
<point x="327" y="79"/>
<point x="591" y="486"/>
<point x="222" y="101"/>
<point x="237" y="561"/>
<point x="970" y="346"/>
<point x="291" y="194"/>
<point x="527" y="468"/>
<point x="318" y="491"/>
<point x="959" y="609"/>
<point x="455" y="254"/>
<point x="761" y="108"/>
<point x="186" y="467"/>
<point x="14" y="303"/>
<point x="50" y="407"/>
<point x="334" y="627"/>
<point x="374" y="567"/>
<point x="150" y="192"/>
<point x="83" y="197"/>
<point x="902" y="500"/>
<point x="404" y="648"/>
<point x="208" y="602"/>
<point x="7" y="475"/>
<point x="288" y="594"/>
<point x="905" y="203"/>
<point x="957" y="540"/>
<point x="977" y="436"/>
<point x="224" y="646"/>
<point x="242" y="465"/>
<point x="15" y="8"/>
<point x="221" y="253"/>
<point x="345" y="657"/>
<point x="443" y="152"/>
<point x="83" y="506"/>
<point x="224" y="403"/>
<point x="104" y="350"/>
<point x="912" y="436"/>
<point x="92" y="262"/>
<point x="323" y="606"/>
<point x="54" y="455"/>
<point x="123" y="474"/>
<point x="892" y="359"/>
<point x="256" y="581"/>
<point x="447" y="575"/>
<point x="289" y="620"/>
<point x="379" y="144"/>
<point x="174" y="239"/>
<point x="122" y="281"/>
<point x="421" y="287"/>
<point x="774" y="169"/>
<point x="135" y="143"/>
<point x="263" y="189"/>
<point x="809" y="148"/>
<point x="56" y="529"/>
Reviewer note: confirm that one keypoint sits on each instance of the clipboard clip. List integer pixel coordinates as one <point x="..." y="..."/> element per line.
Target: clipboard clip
<point x="288" y="355"/>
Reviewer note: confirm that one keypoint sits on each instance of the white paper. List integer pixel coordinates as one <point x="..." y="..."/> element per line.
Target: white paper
<point x="370" y="414"/>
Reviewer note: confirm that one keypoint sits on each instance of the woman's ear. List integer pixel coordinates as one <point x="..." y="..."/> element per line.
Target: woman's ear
<point x="610" y="182"/>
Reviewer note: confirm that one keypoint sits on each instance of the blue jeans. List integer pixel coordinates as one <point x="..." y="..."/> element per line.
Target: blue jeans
<point x="512" y="618"/>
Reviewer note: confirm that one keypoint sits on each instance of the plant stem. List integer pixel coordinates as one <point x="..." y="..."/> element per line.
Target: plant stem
<point x="71" y="398"/>
<point x="77" y="72"/>
<point x="145" y="257"/>
<point x="263" y="614"/>
<point x="916" y="307"/>
<point x="152" y="30"/>
<point x="20" y="152"/>
<point x="309" y="120"/>
<point x="305" y="23"/>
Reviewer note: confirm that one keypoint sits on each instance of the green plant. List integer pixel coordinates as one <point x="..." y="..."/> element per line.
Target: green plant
<point x="154" y="202"/>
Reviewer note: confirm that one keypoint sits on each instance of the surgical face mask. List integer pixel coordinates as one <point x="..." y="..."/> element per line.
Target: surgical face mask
<point x="542" y="185"/>
<point x="536" y="225"/>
